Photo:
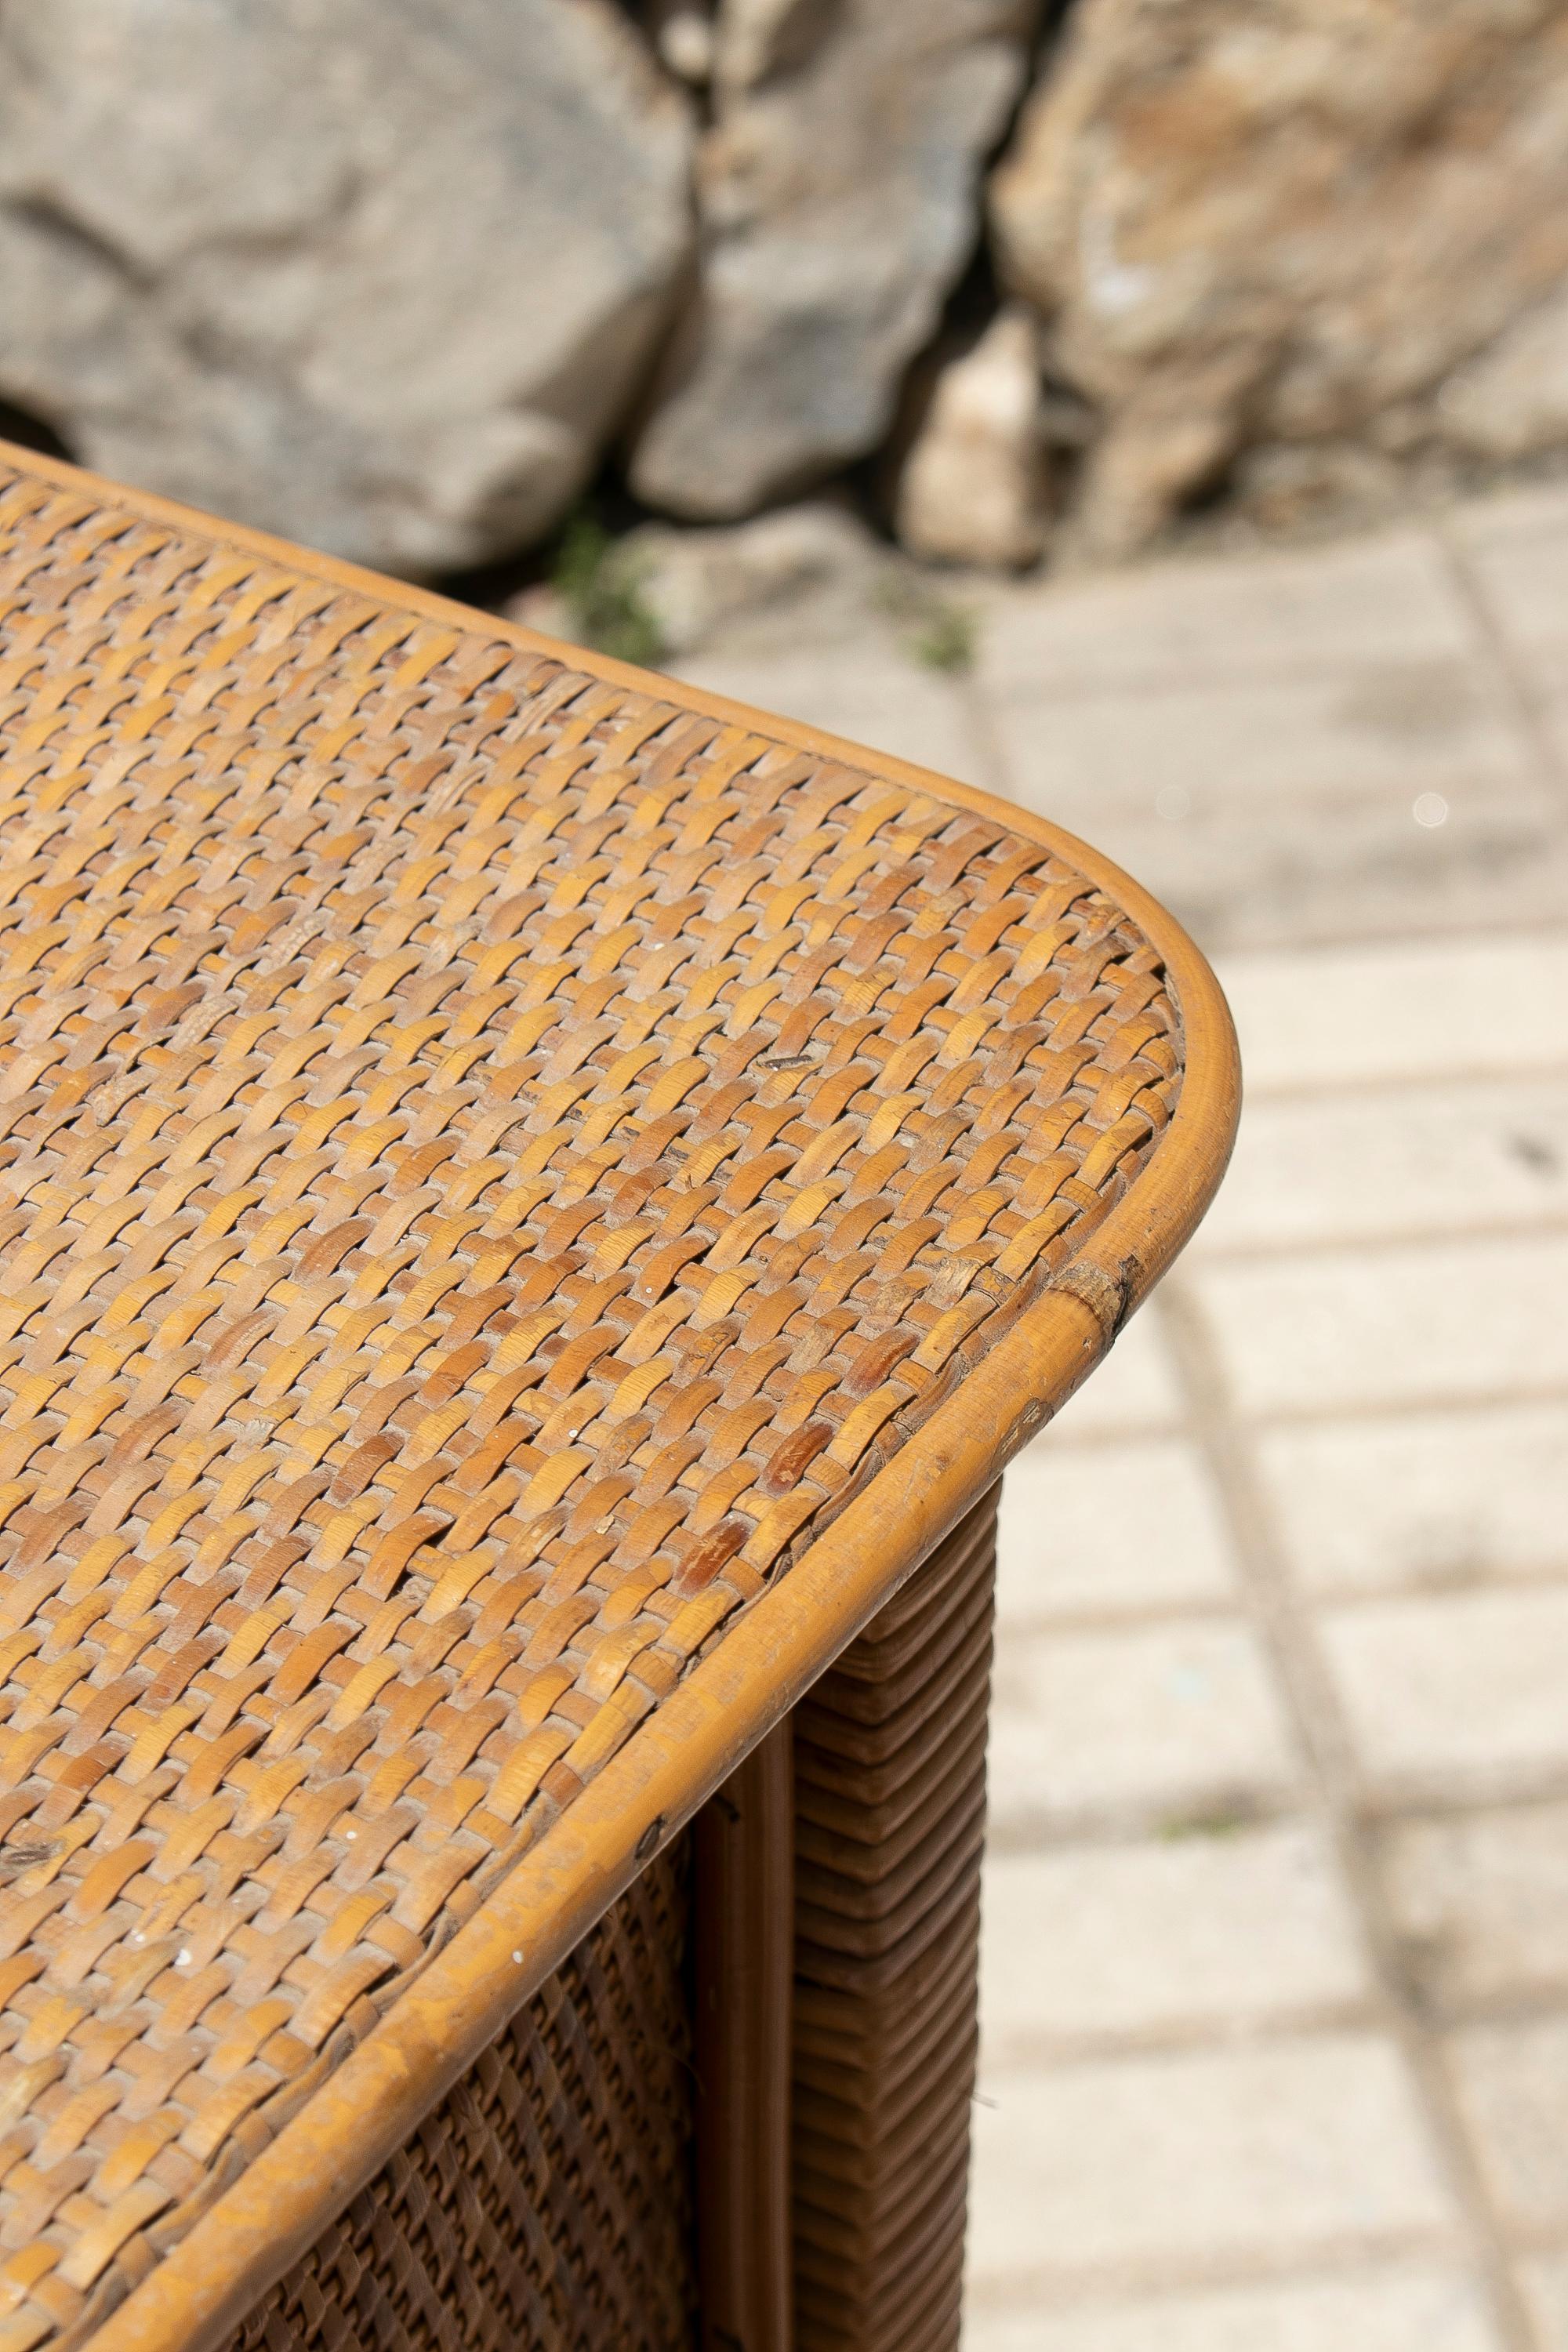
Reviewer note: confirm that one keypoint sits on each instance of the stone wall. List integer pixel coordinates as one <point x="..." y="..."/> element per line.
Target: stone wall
<point x="403" y="282"/>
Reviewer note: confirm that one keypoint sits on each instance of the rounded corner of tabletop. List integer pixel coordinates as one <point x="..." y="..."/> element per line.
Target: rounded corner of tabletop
<point x="532" y="1199"/>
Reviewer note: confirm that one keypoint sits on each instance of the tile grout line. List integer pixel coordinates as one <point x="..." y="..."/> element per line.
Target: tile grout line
<point x="1517" y="684"/>
<point x="1314" y="1712"/>
<point x="1525" y="1224"/>
<point x="1267" y="1420"/>
<point x="1445" y="1079"/>
<point x="1145" y="1613"/>
<point x="1136" y="2281"/>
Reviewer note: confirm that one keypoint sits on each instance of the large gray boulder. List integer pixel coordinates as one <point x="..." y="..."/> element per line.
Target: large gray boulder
<point x="838" y="195"/>
<point x="378" y="275"/>
<point x="1289" y="225"/>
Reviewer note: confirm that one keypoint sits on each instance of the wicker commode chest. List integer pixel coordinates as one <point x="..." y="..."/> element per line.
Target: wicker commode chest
<point x="534" y="1206"/>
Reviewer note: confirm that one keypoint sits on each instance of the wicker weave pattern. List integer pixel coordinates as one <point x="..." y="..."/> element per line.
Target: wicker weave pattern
<point x="489" y="1162"/>
<point x="545" y="2205"/>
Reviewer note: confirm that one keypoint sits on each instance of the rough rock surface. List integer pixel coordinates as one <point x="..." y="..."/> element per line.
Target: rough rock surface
<point x="813" y="565"/>
<point x="836" y="190"/>
<point x="698" y="584"/>
<point x="972" y="485"/>
<point x="380" y="276"/>
<point x="1512" y="400"/>
<point x="1282" y="224"/>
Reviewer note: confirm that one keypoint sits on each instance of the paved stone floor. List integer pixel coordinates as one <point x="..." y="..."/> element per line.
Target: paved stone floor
<point x="1276" y="1966"/>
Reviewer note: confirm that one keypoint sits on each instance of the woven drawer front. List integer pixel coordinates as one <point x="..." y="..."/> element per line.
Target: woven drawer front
<point x="545" y="2205"/>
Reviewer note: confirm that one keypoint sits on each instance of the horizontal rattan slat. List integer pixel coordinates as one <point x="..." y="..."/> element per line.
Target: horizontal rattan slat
<point x="497" y="1155"/>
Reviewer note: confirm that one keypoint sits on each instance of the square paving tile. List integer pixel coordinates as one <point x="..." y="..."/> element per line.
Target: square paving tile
<point x="1343" y="1331"/>
<point x="1318" y="873"/>
<point x="1480" y="1902"/>
<point x="1163" y="1721"/>
<point x="1512" y="2084"/>
<point x="1200" y="1933"/>
<point x="1393" y="1164"/>
<point x="1297" y="811"/>
<point x="1515" y="547"/>
<point x="1385" y="600"/>
<point x="1108" y="1528"/>
<point x="1429" y="1498"/>
<point x="1460" y="1692"/>
<point x="1544" y="2281"/>
<point x="1268" y="744"/>
<point x="1441" y="1009"/>
<point x="1276" y="2151"/>
<point x="1382" y="2309"/>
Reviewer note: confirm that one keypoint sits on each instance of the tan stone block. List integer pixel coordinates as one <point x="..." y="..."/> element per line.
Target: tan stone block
<point x="1115" y="1526"/>
<point x="1421" y="1498"/>
<point x="1394" y="1165"/>
<point x="1308" y="868"/>
<point x="1515" y="546"/>
<point x="1381" y="600"/>
<point x="1263" y="744"/>
<point x="1203" y="1932"/>
<point x="1344" y="1330"/>
<point x="1302" y="808"/>
<point x="1159" y="1721"/>
<point x="1315" y="872"/>
<point x="1273" y="2150"/>
<point x="1510" y="513"/>
<point x="1345" y="1015"/>
<point x="1403" y="2308"/>
<point x="1480" y="1902"/>
<point x="1512" y="2086"/>
<point x="1461" y="1692"/>
<point x="1544" y="2281"/>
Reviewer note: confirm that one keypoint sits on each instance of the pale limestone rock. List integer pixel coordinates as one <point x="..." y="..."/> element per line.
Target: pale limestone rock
<point x="1512" y="400"/>
<point x="701" y="583"/>
<point x="757" y="38"/>
<point x="682" y="32"/>
<point x="836" y="191"/>
<point x="380" y="276"/>
<point x="973" y="486"/>
<point x="1280" y="223"/>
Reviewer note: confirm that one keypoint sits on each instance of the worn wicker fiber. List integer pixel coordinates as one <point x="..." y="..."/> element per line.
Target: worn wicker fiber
<point x="492" y="1160"/>
<point x="545" y="2205"/>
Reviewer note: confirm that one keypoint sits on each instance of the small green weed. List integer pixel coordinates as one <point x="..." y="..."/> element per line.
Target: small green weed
<point x="601" y="585"/>
<point x="1223" y="1822"/>
<point x="939" y="634"/>
<point x="948" y="641"/>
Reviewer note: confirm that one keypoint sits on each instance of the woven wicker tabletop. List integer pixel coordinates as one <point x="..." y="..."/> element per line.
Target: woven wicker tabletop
<point x="497" y="1155"/>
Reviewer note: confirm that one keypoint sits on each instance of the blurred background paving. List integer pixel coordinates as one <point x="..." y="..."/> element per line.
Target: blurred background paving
<point x="1276" y="1968"/>
<point x="776" y="341"/>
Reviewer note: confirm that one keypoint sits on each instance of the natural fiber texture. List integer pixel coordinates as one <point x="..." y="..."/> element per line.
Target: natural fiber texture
<point x="490" y="1161"/>
<point x="545" y="2205"/>
<point x="889" y="1751"/>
